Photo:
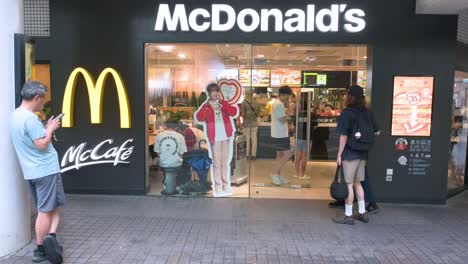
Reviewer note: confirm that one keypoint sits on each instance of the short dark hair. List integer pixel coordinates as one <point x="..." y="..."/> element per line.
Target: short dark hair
<point x="172" y="123"/>
<point x="285" y="90"/>
<point x="212" y="87"/>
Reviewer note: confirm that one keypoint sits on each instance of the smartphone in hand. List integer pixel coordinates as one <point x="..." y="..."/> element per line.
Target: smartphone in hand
<point x="59" y="116"/>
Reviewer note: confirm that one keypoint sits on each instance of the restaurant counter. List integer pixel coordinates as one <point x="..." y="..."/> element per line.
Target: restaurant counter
<point x="324" y="142"/>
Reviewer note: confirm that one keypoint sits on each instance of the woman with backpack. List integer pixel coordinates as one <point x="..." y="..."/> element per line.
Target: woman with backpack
<point x="357" y="128"/>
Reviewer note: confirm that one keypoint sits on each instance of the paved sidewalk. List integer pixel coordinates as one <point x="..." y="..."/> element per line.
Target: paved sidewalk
<point x="146" y="230"/>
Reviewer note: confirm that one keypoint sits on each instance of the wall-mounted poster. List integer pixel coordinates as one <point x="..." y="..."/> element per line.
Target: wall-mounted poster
<point x="291" y="78"/>
<point x="260" y="78"/>
<point x="412" y="106"/>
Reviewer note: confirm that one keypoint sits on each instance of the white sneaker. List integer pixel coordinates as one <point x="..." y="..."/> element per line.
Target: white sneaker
<point x="219" y="193"/>
<point x="227" y="192"/>
<point x="283" y="180"/>
<point x="295" y="176"/>
<point x="276" y="180"/>
<point x="304" y="177"/>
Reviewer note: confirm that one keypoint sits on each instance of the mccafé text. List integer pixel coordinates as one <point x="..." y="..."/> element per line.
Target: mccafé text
<point x="78" y="157"/>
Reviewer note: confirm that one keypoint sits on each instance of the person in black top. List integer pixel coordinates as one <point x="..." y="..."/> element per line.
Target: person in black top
<point x="354" y="125"/>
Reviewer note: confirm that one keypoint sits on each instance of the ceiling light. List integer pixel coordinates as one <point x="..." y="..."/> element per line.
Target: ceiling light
<point x="181" y="56"/>
<point x="365" y="57"/>
<point x="260" y="56"/>
<point x="166" y="48"/>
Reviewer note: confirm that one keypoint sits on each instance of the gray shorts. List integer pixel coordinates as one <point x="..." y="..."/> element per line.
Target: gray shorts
<point x="354" y="170"/>
<point x="47" y="192"/>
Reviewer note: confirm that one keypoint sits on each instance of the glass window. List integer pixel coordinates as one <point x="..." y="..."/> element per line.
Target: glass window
<point x="458" y="136"/>
<point x="193" y="92"/>
<point x="191" y="121"/>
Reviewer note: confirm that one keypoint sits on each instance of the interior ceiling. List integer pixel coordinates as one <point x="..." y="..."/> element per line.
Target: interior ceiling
<point x="441" y="6"/>
<point x="334" y="57"/>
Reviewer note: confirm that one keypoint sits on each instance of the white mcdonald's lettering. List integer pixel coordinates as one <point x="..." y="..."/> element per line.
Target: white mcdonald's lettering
<point x="78" y="157"/>
<point x="95" y="94"/>
<point x="309" y="19"/>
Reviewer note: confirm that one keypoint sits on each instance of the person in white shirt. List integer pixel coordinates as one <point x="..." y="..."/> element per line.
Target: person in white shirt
<point x="170" y="145"/>
<point x="280" y="135"/>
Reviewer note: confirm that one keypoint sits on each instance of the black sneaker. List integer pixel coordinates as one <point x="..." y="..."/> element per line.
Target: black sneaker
<point x="52" y="250"/>
<point x="39" y="256"/>
<point x="336" y="204"/>
<point x="372" y="208"/>
<point x="346" y="220"/>
<point x="363" y="217"/>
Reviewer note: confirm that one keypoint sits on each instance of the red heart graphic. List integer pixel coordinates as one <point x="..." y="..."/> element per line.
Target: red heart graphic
<point x="231" y="90"/>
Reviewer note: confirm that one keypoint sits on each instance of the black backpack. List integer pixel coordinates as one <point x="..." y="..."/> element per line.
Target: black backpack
<point x="363" y="125"/>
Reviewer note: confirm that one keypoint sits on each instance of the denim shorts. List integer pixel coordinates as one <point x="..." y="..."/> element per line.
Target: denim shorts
<point x="302" y="145"/>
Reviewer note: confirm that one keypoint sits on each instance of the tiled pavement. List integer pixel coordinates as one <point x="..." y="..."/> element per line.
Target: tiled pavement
<point x="146" y="230"/>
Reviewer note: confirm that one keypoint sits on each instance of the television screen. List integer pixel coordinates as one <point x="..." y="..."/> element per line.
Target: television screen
<point x="311" y="79"/>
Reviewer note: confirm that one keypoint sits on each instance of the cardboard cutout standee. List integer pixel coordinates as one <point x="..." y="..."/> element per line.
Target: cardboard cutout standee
<point x="217" y="116"/>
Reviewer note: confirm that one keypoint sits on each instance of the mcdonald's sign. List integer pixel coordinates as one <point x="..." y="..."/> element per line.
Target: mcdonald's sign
<point x="95" y="95"/>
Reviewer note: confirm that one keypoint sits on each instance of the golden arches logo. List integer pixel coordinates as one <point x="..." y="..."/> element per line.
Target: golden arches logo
<point x="95" y="94"/>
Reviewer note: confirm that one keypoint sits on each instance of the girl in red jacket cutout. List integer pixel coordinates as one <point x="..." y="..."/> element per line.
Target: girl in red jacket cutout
<point x="217" y="115"/>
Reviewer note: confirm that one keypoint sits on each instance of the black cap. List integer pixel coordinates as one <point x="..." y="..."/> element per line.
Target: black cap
<point x="356" y="90"/>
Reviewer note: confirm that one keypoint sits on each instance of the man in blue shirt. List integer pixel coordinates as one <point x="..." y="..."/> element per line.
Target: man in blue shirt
<point x="39" y="163"/>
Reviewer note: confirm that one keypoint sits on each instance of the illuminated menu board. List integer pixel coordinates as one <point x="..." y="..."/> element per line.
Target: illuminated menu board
<point x="361" y="79"/>
<point x="412" y="106"/>
<point x="228" y="74"/>
<point x="286" y="77"/>
<point x="260" y="78"/>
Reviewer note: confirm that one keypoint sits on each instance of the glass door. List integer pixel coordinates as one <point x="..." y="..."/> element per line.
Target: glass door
<point x="317" y="77"/>
<point x="459" y="134"/>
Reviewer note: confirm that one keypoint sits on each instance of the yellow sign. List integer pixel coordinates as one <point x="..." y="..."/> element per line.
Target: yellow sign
<point x="95" y="94"/>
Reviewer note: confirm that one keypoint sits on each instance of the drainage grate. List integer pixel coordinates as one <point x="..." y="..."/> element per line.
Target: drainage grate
<point x="36" y="18"/>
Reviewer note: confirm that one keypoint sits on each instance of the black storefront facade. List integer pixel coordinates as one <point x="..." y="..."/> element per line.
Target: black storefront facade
<point x="96" y="35"/>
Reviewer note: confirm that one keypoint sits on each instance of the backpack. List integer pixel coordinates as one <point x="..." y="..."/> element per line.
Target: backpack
<point x="365" y="127"/>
